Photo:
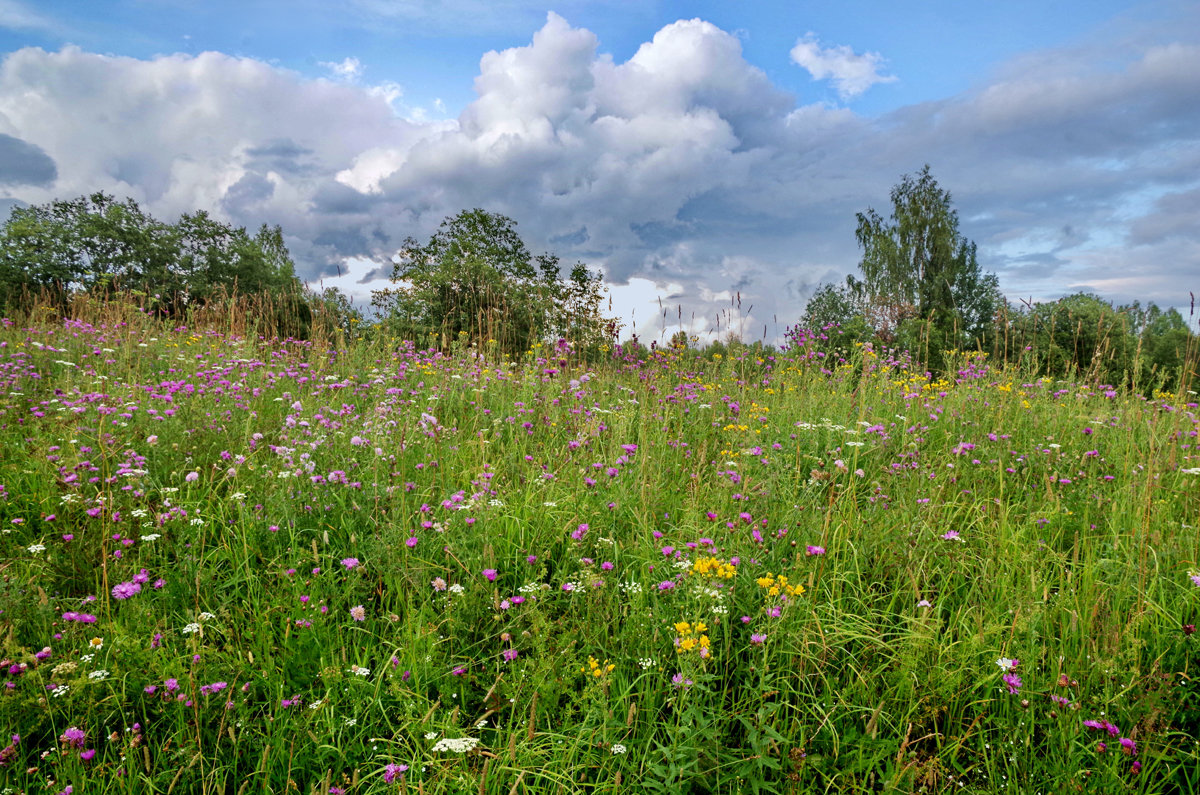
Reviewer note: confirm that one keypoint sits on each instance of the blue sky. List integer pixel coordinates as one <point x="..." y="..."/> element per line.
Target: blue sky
<point x="693" y="151"/>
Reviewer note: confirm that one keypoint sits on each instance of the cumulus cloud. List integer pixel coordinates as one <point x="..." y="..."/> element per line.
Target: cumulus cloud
<point x="851" y="73"/>
<point x="348" y="69"/>
<point x="683" y="167"/>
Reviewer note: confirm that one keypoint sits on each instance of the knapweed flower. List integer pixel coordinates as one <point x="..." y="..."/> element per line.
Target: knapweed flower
<point x="1128" y="746"/>
<point x="1103" y="725"/>
<point x="1195" y="578"/>
<point x="951" y="535"/>
<point x="391" y="771"/>
<point x="350" y="563"/>
<point x="924" y="603"/>
<point x="758" y="638"/>
<point x="490" y="574"/>
<point x="73" y="737"/>
<point x="510" y="654"/>
<point x="125" y="590"/>
<point x="1014" y="683"/>
<point x="358" y="613"/>
<point x="811" y="550"/>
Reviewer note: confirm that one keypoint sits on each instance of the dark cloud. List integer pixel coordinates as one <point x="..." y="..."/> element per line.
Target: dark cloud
<point x="23" y="163"/>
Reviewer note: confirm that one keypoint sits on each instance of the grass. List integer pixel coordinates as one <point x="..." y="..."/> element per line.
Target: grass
<point x="241" y="565"/>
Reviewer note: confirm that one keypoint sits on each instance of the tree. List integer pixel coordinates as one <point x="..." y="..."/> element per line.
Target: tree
<point x="476" y="278"/>
<point x="99" y="244"/>
<point x="916" y="266"/>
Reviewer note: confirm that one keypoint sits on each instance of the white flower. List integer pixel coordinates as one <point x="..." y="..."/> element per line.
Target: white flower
<point x="206" y="616"/>
<point x="458" y="745"/>
<point x="455" y="589"/>
<point x="37" y="549"/>
<point x="350" y="722"/>
<point x="431" y="735"/>
<point x="1192" y="471"/>
<point x="316" y="704"/>
<point x="1006" y="664"/>
<point x="60" y="691"/>
<point x="358" y="670"/>
<point x="647" y="663"/>
<point x="188" y="629"/>
<point x="98" y="675"/>
<point x="618" y="748"/>
<point x="151" y="537"/>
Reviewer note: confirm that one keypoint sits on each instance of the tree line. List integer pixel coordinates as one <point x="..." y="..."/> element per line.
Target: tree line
<point x="919" y="288"/>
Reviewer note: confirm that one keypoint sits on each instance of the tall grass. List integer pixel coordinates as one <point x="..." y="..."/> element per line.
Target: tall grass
<point x="235" y="563"/>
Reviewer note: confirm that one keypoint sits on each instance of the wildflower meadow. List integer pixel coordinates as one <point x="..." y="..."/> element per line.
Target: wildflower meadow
<point x="232" y="564"/>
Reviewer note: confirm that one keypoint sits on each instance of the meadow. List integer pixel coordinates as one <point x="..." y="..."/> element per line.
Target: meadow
<point x="240" y="565"/>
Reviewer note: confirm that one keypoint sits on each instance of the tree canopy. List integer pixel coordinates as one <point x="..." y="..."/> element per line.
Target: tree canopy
<point x="475" y="277"/>
<point x="98" y="243"/>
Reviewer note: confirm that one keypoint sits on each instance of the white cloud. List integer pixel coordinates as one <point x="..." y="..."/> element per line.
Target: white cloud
<point x="851" y="73"/>
<point x="348" y="69"/>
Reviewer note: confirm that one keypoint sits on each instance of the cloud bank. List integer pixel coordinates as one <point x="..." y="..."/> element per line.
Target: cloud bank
<point x="684" y="166"/>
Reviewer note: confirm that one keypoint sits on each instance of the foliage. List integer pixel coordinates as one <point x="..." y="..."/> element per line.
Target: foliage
<point x="921" y="281"/>
<point x="476" y="278"/>
<point x="97" y="244"/>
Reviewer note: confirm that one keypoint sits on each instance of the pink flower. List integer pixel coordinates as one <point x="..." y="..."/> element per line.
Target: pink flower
<point x="490" y="574"/>
<point x="358" y="613"/>
<point x="391" y="771"/>
<point x="1013" y="681"/>
<point x="350" y="563"/>
<point x="758" y="638"/>
<point x="192" y="477"/>
<point x="814" y="550"/>
<point x="411" y="542"/>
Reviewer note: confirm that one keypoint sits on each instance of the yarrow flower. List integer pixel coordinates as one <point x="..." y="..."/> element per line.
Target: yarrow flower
<point x="457" y="745"/>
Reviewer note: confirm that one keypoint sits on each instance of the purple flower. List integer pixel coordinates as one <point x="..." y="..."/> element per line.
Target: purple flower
<point x="1013" y="681"/>
<point x="950" y="535"/>
<point x="1128" y="745"/>
<point x="666" y="585"/>
<point x="510" y="654"/>
<point x="125" y="590"/>
<point x="192" y="477"/>
<point x="73" y="737"/>
<point x="758" y="638"/>
<point x="350" y="563"/>
<point x="358" y="613"/>
<point x="490" y="574"/>
<point x="87" y="755"/>
<point x="814" y="550"/>
<point x="391" y="771"/>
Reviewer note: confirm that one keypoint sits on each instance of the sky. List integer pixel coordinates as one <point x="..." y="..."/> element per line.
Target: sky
<point x="708" y="157"/>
